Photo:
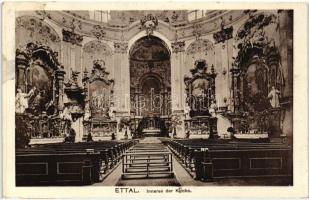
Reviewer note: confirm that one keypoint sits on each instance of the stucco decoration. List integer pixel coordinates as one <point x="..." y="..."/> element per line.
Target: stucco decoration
<point x="149" y="23"/>
<point x="200" y="46"/>
<point x="31" y="29"/>
<point x="98" y="31"/>
<point x="96" y="50"/>
<point x="199" y="49"/>
<point x="121" y="47"/>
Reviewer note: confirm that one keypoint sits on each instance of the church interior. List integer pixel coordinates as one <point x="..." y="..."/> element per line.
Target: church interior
<point x="195" y="96"/>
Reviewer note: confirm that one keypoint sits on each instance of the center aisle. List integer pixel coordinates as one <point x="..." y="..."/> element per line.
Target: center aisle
<point x="151" y="145"/>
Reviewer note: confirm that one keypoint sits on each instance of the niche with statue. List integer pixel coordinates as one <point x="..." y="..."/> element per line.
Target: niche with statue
<point x="200" y="114"/>
<point x="99" y="119"/>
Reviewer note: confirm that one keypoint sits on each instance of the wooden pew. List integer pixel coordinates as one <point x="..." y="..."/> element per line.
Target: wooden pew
<point x="250" y="162"/>
<point x="56" y="168"/>
<point x="106" y="153"/>
<point x="233" y="158"/>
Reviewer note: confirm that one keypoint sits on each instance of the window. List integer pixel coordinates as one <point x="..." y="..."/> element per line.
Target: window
<point x="100" y="16"/>
<point x="196" y="14"/>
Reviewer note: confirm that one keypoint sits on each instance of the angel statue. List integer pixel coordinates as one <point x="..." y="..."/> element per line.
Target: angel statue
<point x="274" y="97"/>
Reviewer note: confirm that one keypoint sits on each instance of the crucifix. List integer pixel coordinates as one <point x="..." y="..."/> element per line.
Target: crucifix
<point x="151" y="98"/>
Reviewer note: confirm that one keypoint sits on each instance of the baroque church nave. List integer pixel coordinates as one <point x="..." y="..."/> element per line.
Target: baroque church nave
<point x="183" y="77"/>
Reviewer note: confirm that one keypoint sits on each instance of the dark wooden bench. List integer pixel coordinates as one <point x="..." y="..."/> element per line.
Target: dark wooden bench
<point x="57" y="168"/>
<point x="221" y="159"/>
<point x="246" y="162"/>
<point x="98" y="157"/>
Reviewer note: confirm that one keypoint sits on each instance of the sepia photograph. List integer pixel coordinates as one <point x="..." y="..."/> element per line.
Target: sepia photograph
<point x="153" y="97"/>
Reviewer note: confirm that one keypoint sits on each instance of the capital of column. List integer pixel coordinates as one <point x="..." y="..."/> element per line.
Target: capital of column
<point x="71" y="37"/>
<point x="235" y="70"/>
<point x="22" y="59"/>
<point x="121" y="47"/>
<point x="60" y="74"/>
<point x="178" y="46"/>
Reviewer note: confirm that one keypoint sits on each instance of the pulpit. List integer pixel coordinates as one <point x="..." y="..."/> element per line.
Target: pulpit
<point x="200" y="91"/>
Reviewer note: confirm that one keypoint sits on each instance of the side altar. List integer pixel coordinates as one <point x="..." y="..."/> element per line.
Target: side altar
<point x="99" y="119"/>
<point x="39" y="91"/>
<point x="200" y="119"/>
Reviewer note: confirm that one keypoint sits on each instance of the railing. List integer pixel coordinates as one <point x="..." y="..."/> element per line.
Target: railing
<point x="147" y="161"/>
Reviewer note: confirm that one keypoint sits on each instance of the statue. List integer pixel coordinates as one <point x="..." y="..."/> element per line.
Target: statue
<point x="66" y="115"/>
<point x="187" y="110"/>
<point x="274" y="97"/>
<point x="21" y="101"/>
<point x="50" y="107"/>
<point x="36" y="104"/>
<point x="112" y="111"/>
<point x="87" y="112"/>
<point x="213" y="108"/>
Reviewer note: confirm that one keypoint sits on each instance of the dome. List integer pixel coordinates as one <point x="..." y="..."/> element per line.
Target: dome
<point x="127" y="17"/>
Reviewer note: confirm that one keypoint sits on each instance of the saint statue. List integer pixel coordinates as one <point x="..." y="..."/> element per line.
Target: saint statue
<point x="87" y="112"/>
<point x="213" y="108"/>
<point x="187" y="110"/>
<point x="21" y="101"/>
<point x="274" y="97"/>
<point x="111" y="112"/>
<point x="66" y="115"/>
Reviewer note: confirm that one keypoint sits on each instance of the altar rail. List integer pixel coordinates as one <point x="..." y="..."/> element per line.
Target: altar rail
<point x="146" y="161"/>
<point x="225" y="159"/>
<point x="68" y="164"/>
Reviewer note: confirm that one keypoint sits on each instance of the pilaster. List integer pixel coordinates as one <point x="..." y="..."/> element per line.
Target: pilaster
<point x="122" y="74"/>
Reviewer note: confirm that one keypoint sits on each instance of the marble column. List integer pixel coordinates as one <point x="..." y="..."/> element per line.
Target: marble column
<point x="224" y="54"/>
<point x="286" y="49"/>
<point x="62" y="52"/>
<point x="60" y="77"/>
<point x="221" y="77"/>
<point x="235" y="94"/>
<point x="66" y="62"/>
<point x="21" y="66"/>
<point x="286" y="53"/>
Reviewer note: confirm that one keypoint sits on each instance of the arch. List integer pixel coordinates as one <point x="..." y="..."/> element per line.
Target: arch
<point x="149" y="48"/>
<point x="142" y="34"/>
<point x="97" y="50"/>
<point x="153" y="75"/>
<point x="199" y="46"/>
<point x="95" y="45"/>
<point x="149" y="64"/>
<point x="33" y="51"/>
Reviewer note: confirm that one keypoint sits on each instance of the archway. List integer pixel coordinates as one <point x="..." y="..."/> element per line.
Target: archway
<point x="150" y="82"/>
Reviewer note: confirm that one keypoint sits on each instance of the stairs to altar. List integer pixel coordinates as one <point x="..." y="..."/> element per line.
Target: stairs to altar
<point x="147" y="160"/>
